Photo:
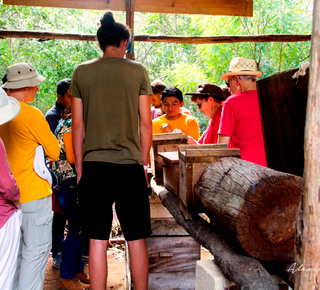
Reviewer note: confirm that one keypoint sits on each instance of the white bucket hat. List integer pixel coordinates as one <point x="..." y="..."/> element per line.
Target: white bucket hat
<point x="42" y="168"/>
<point x="9" y="107"/>
<point x="21" y="75"/>
<point x="240" y="66"/>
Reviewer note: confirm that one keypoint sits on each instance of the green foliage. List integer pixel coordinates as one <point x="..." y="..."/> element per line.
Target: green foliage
<point x="183" y="65"/>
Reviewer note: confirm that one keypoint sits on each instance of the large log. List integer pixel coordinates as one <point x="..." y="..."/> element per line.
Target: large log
<point x="245" y="272"/>
<point x="254" y="205"/>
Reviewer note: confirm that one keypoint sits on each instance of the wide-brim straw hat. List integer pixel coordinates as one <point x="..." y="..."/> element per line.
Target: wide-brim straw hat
<point x="9" y="107"/>
<point x="240" y="66"/>
<point x="21" y="75"/>
<point x="209" y="90"/>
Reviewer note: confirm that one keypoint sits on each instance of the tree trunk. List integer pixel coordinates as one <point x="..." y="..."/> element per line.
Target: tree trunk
<point x="308" y="220"/>
<point x="254" y="205"/>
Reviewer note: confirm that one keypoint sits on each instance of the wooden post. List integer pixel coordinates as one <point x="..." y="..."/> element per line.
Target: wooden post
<point x="307" y="267"/>
<point x="130" y="23"/>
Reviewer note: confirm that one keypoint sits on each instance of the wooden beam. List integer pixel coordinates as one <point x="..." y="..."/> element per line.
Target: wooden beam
<point x="206" y="7"/>
<point x="130" y="23"/>
<point x="308" y="219"/>
<point x="44" y="35"/>
<point x="226" y="38"/>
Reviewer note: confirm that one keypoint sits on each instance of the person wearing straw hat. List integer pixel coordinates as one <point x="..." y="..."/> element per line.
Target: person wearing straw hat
<point x="21" y="136"/>
<point x="10" y="207"/>
<point x="209" y="99"/>
<point x="240" y="124"/>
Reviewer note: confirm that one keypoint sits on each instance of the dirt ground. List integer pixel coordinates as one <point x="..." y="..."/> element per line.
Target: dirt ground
<point x="116" y="270"/>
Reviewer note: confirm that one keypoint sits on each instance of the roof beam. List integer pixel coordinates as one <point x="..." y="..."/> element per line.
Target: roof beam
<point x="206" y="7"/>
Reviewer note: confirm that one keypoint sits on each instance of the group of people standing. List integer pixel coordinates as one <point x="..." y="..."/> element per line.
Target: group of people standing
<point x="111" y="103"/>
<point x="106" y="106"/>
<point x="234" y="115"/>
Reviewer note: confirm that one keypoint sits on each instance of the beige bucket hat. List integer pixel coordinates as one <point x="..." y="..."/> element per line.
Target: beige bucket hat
<point x="21" y="75"/>
<point x="240" y="66"/>
<point x="9" y="107"/>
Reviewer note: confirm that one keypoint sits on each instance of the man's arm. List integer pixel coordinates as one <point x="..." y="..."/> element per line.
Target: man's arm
<point x="77" y="128"/>
<point x="145" y="123"/>
<point x="223" y="139"/>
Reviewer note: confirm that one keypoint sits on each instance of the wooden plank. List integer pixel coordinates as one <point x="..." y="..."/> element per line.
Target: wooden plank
<point x="308" y="219"/>
<point x="207" y="7"/>
<point x="172" y="254"/>
<point x="283" y="102"/>
<point x="170" y="165"/>
<point x="210" y="153"/>
<point x="202" y="146"/>
<point x="172" y="281"/>
<point x="168" y="136"/>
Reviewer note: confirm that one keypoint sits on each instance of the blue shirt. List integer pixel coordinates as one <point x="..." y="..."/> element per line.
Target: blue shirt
<point x="54" y="115"/>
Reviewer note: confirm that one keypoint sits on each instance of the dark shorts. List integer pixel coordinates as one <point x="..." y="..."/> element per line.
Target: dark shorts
<point x="103" y="184"/>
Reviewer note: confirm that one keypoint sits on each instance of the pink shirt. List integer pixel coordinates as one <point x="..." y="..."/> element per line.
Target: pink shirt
<point x="9" y="191"/>
<point x="210" y="135"/>
<point x="241" y="121"/>
<point x="155" y="113"/>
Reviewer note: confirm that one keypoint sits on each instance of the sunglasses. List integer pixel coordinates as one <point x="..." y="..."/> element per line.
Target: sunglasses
<point x="200" y="104"/>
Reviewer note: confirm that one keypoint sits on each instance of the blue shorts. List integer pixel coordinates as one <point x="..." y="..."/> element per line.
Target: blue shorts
<point x="103" y="184"/>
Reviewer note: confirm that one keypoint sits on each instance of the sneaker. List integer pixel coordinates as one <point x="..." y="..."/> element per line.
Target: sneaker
<point x="74" y="284"/>
<point x="84" y="278"/>
<point x="56" y="261"/>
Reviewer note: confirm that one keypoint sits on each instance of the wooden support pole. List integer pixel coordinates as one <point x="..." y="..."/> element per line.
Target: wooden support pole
<point x="46" y="35"/>
<point x="307" y="268"/>
<point x="130" y="23"/>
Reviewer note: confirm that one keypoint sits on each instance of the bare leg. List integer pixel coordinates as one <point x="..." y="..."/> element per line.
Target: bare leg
<point x="139" y="263"/>
<point x="98" y="265"/>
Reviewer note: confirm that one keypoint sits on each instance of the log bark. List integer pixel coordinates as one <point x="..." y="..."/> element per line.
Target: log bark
<point x="47" y="35"/>
<point x="308" y="220"/>
<point x="254" y="205"/>
<point x="244" y="271"/>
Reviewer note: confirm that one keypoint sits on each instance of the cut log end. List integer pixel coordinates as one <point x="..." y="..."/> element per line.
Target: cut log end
<point x="254" y="205"/>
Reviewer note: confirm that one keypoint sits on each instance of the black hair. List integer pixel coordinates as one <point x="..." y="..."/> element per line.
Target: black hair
<point x="172" y="92"/>
<point x="63" y="87"/>
<point x="111" y="32"/>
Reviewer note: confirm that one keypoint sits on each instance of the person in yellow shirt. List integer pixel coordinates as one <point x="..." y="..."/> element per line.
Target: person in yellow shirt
<point x="21" y="136"/>
<point x="174" y="120"/>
